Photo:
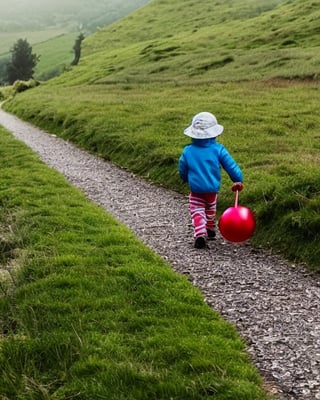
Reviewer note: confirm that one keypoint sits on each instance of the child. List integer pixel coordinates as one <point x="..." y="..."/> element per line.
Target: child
<point x="199" y="166"/>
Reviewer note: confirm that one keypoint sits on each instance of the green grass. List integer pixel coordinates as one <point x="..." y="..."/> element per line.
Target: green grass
<point x="54" y="48"/>
<point x="179" y="40"/>
<point x="182" y="40"/>
<point x="55" y="55"/>
<point x="270" y="129"/>
<point x="90" y="312"/>
<point x="51" y="28"/>
<point x="9" y="38"/>
<point x="135" y="90"/>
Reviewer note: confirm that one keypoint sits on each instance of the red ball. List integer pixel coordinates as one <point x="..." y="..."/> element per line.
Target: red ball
<point x="237" y="224"/>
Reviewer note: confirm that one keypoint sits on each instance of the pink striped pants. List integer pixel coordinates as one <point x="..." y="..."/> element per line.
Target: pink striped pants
<point x="203" y="209"/>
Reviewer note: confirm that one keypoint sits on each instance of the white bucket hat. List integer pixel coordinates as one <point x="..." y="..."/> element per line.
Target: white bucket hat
<point x="204" y="126"/>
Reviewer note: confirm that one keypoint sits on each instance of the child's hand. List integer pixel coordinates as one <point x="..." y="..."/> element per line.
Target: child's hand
<point x="237" y="186"/>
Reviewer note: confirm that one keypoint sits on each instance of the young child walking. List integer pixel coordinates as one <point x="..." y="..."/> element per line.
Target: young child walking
<point x="200" y="166"/>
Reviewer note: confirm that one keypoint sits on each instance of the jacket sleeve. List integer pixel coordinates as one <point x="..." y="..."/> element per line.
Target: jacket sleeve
<point x="183" y="168"/>
<point x="230" y="166"/>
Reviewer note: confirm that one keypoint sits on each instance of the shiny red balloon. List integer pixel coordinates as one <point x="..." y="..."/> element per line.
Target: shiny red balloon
<point x="237" y="224"/>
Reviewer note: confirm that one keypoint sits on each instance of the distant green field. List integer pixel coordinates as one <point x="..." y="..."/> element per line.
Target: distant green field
<point x="54" y="54"/>
<point x="7" y="39"/>
<point x="54" y="46"/>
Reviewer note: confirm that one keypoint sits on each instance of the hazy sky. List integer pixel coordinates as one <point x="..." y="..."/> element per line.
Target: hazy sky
<point x="51" y="12"/>
<point x="14" y="6"/>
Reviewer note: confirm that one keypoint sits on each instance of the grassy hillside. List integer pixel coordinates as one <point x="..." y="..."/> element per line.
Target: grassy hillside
<point x="55" y="55"/>
<point x="233" y="40"/>
<point x="141" y="80"/>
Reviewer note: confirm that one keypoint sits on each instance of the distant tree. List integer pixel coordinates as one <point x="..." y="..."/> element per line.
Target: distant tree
<point x="77" y="49"/>
<point x="22" y="63"/>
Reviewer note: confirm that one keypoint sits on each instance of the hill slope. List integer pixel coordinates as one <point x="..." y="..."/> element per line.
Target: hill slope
<point x="235" y="39"/>
<point x="51" y="28"/>
<point x="141" y="80"/>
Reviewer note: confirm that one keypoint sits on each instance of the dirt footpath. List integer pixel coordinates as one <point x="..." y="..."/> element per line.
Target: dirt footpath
<point x="274" y="305"/>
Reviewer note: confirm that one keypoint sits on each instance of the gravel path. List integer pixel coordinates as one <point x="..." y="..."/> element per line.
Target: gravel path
<point x="274" y="305"/>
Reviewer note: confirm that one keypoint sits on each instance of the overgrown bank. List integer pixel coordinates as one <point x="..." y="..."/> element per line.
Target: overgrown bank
<point x="270" y="127"/>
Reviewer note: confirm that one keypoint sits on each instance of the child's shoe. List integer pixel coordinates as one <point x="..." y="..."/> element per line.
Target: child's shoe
<point x="200" y="242"/>
<point x="211" y="234"/>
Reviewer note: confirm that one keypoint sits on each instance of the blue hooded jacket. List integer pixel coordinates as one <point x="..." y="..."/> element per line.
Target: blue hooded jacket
<point x="200" y="165"/>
